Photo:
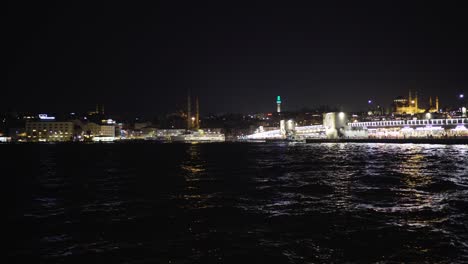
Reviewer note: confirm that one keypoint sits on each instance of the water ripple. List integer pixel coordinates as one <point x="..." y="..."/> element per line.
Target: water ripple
<point x="212" y="203"/>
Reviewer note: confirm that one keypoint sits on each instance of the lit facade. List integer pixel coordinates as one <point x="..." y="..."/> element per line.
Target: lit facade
<point x="408" y="106"/>
<point x="49" y="131"/>
<point x="95" y="130"/>
<point x="107" y="131"/>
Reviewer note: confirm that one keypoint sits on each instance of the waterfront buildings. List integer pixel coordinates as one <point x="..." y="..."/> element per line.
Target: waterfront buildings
<point x="49" y="130"/>
<point x="99" y="132"/>
<point x="5" y="139"/>
<point x="305" y="123"/>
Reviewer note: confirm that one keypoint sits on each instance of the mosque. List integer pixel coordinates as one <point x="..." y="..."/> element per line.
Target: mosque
<point x="410" y="105"/>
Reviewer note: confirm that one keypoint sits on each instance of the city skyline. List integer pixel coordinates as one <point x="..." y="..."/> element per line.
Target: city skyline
<point x="426" y="104"/>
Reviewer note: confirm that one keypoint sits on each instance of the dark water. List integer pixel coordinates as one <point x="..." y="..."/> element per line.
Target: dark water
<point x="234" y="203"/>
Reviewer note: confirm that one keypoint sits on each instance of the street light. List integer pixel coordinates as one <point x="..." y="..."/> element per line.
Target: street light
<point x="462" y="105"/>
<point x="369" y="102"/>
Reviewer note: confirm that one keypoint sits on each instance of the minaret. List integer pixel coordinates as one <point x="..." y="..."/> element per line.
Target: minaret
<point x="189" y="114"/>
<point x="102" y="109"/>
<point x="416" y="101"/>
<point x="409" y="98"/>
<point x="278" y="104"/>
<point x="437" y="103"/>
<point x="430" y="102"/>
<point x="197" y="114"/>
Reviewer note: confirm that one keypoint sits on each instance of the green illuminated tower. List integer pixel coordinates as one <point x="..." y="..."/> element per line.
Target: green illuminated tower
<point x="278" y="104"/>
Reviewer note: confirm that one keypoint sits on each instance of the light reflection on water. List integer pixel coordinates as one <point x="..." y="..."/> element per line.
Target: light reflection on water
<point x="214" y="203"/>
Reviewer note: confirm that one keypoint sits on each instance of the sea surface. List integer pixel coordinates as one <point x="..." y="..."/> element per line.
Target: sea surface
<point x="235" y="203"/>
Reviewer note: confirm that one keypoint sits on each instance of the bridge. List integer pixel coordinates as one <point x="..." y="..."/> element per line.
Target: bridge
<point x="389" y="128"/>
<point x="410" y="123"/>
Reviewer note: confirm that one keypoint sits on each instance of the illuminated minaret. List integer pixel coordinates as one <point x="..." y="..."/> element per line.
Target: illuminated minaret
<point x="409" y="99"/>
<point x="430" y="102"/>
<point x="189" y="112"/>
<point x="416" y="101"/>
<point x="437" y="103"/>
<point x="278" y="104"/>
<point x="197" y="114"/>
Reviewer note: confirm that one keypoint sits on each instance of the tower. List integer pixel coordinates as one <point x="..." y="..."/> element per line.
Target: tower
<point x="437" y="103"/>
<point x="197" y="114"/>
<point x="430" y="102"/>
<point x="189" y="114"/>
<point x="278" y="104"/>
<point x="409" y="98"/>
<point x="416" y="101"/>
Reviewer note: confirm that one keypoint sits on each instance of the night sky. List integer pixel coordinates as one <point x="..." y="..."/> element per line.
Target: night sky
<point x="136" y="58"/>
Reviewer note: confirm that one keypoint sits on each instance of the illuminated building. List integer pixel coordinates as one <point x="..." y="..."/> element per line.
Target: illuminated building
<point x="107" y="131"/>
<point x="5" y="139"/>
<point x="407" y="106"/>
<point x="400" y="102"/>
<point x="278" y="104"/>
<point x="93" y="130"/>
<point x="47" y="130"/>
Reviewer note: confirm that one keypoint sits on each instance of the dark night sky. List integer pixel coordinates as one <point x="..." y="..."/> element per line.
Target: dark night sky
<point x="142" y="59"/>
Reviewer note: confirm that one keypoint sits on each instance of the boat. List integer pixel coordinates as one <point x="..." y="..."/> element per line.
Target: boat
<point x="199" y="136"/>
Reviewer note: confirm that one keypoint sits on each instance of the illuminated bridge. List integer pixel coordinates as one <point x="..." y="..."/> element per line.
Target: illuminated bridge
<point x="424" y="128"/>
<point x="374" y="129"/>
<point x="410" y="123"/>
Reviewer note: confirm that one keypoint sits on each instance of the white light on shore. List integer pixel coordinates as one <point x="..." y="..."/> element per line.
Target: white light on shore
<point x="460" y="128"/>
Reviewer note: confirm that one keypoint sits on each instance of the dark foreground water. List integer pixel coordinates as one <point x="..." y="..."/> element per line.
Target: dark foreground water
<point x="236" y="203"/>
